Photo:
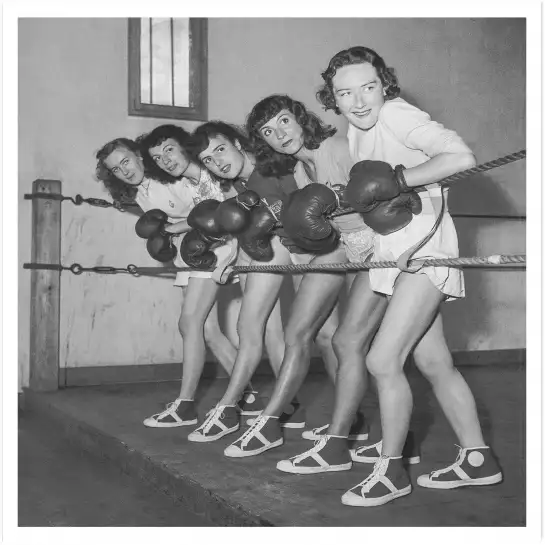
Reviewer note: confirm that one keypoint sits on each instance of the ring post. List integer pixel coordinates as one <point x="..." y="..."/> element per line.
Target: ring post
<point x="45" y="289"/>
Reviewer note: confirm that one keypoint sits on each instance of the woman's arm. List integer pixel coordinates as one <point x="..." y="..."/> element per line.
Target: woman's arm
<point x="438" y="167"/>
<point x="413" y="127"/>
<point x="178" y="227"/>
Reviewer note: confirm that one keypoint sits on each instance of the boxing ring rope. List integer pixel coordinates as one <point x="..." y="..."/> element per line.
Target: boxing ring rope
<point x="494" y="261"/>
<point x="46" y="268"/>
<point x="500" y="161"/>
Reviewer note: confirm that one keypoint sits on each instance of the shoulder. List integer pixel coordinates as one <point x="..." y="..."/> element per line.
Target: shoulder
<point x="335" y="144"/>
<point x="399" y="112"/>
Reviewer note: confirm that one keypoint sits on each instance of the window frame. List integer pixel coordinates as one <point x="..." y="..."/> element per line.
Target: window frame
<point x="198" y="75"/>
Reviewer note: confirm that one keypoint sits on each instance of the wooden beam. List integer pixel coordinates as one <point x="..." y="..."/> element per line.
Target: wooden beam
<point x="45" y="289"/>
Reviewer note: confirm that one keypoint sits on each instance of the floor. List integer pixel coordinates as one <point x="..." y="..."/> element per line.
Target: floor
<point x="255" y="487"/>
<point x="61" y="485"/>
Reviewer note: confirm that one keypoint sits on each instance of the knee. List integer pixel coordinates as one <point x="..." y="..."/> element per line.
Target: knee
<point x="433" y="366"/>
<point x="325" y="336"/>
<point x="383" y="364"/>
<point x="186" y="325"/>
<point x="296" y="336"/>
<point x="249" y="330"/>
<point x="211" y="331"/>
<point x="347" y="343"/>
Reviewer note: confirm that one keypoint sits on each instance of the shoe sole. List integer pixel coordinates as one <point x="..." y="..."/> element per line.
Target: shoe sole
<point x="311" y="470"/>
<point x="313" y="437"/>
<point x="241" y="454"/>
<point x="155" y="424"/>
<point x="358" y="501"/>
<point x="371" y="460"/>
<point x="293" y="425"/>
<point x="448" y="485"/>
<point x="198" y="438"/>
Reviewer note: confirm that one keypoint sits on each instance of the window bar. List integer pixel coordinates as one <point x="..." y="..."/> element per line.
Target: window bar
<point x="172" y="58"/>
<point x="150" y="62"/>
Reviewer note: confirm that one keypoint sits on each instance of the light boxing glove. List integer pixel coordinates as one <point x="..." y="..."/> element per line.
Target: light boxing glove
<point x="304" y="213"/>
<point x="372" y="182"/>
<point x="195" y="250"/>
<point x="390" y="216"/>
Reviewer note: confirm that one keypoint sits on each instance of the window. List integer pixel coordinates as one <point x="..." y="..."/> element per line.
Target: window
<point x="168" y="68"/>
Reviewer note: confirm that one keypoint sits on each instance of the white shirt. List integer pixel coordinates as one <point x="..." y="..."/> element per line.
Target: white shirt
<point x="177" y="199"/>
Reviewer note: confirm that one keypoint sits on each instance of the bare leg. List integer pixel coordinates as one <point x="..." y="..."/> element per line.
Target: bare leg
<point x="434" y="360"/>
<point x="313" y="303"/>
<point x="360" y="322"/>
<point x="411" y="310"/>
<point x="274" y="339"/>
<point x="219" y="344"/>
<point x="199" y="297"/>
<point x="260" y="297"/>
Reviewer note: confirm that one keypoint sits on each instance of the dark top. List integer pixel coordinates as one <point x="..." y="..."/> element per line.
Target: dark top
<point x="269" y="188"/>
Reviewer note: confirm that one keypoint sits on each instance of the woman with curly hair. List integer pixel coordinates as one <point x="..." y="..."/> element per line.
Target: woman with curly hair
<point x="174" y="184"/>
<point x="413" y="152"/>
<point x="287" y="138"/>
<point x="226" y="152"/>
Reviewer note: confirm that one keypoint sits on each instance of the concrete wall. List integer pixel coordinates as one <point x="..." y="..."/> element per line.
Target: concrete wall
<point x="467" y="73"/>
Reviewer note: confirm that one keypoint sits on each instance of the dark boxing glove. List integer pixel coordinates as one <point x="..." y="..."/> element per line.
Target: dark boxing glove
<point x="160" y="247"/>
<point x="391" y="216"/>
<point x="150" y="223"/>
<point x="203" y="218"/>
<point x="374" y="181"/>
<point x="310" y="246"/>
<point x="256" y="240"/>
<point x="195" y="251"/>
<point x="305" y="212"/>
<point x="233" y="215"/>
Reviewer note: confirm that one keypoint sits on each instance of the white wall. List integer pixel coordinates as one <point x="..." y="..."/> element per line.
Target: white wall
<point x="468" y="74"/>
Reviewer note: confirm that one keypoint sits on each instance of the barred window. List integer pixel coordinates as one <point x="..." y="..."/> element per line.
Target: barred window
<point x="168" y="68"/>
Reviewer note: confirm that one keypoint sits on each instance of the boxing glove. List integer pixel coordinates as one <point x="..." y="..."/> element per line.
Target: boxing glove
<point x="305" y="212"/>
<point x="310" y="246"/>
<point x="340" y="191"/>
<point x="256" y="239"/>
<point x="248" y="199"/>
<point x="203" y="218"/>
<point x="292" y="248"/>
<point x="195" y="251"/>
<point x="233" y="215"/>
<point x="374" y="181"/>
<point x="160" y="247"/>
<point x="153" y="221"/>
<point x="390" y="216"/>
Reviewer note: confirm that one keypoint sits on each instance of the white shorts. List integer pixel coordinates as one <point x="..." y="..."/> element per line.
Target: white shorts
<point x="182" y="277"/>
<point x="443" y="244"/>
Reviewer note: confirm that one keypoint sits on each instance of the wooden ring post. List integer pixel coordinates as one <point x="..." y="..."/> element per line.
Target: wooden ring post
<point x="45" y="289"/>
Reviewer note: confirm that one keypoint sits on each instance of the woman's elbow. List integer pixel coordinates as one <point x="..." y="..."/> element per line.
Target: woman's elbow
<point x="466" y="161"/>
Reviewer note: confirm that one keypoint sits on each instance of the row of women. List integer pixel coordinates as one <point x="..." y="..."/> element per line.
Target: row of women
<point x="390" y="313"/>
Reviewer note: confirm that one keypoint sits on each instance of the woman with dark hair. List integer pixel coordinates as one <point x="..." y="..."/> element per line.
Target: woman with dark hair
<point x="127" y="170"/>
<point x="414" y="152"/>
<point x="225" y="151"/>
<point x="287" y="138"/>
